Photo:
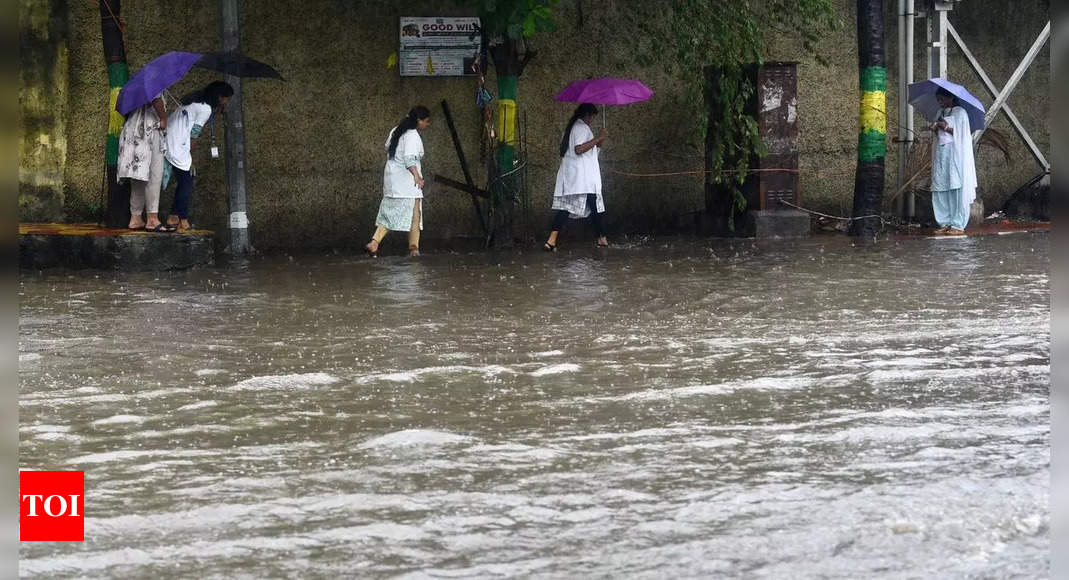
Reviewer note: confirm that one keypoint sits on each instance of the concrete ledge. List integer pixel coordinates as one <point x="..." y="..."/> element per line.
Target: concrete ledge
<point x="772" y="224"/>
<point x="91" y="246"/>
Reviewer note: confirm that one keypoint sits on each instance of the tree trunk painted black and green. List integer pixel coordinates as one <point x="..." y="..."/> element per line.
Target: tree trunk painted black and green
<point x="508" y="65"/>
<point x="117" y="214"/>
<point x="872" y="136"/>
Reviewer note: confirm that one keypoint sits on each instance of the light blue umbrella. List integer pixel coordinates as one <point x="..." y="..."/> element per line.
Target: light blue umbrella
<point x="922" y="97"/>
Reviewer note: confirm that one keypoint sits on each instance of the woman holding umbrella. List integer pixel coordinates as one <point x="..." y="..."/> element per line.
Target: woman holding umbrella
<point x="141" y="159"/>
<point x="953" y="168"/>
<point x="578" y="190"/>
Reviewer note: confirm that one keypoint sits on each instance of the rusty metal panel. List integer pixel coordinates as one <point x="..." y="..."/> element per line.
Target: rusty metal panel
<point x="777" y="118"/>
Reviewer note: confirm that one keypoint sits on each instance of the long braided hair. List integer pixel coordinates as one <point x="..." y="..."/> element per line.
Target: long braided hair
<point x="580" y="111"/>
<point x="411" y="120"/>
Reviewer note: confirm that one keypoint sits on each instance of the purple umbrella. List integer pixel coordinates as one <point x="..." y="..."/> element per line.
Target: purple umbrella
<point x="154" y="78"/>
<point x="169" y="68"/>
<point x="606" y="91"/>
<point x="922" y="97"/>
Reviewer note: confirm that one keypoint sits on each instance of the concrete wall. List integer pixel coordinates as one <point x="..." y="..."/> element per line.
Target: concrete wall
<point x="315" y="141"/>
<point x="42" y="127"/>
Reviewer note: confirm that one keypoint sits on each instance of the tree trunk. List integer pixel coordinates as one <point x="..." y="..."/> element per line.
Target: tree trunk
<point x="117" y="214"/>
<point x="872" y="136"/>
<point x="503" y="191"/>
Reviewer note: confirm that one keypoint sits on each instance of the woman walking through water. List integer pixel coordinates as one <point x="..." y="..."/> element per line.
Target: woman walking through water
<point x="402" y="182"/>
<point x="578" y="190"/>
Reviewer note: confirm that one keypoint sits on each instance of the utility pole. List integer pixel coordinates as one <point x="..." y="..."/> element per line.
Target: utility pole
<point x="235" y="138"/>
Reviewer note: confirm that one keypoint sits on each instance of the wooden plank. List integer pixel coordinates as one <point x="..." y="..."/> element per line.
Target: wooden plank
<point x="470" y="189"/>
<point x="470" y="186"/>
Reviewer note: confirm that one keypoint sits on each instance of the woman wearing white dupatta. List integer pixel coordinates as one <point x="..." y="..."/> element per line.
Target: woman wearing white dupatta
<point x="402" y="182"/>
<point x="578" y="190"/>
<point x="953" y="167"/>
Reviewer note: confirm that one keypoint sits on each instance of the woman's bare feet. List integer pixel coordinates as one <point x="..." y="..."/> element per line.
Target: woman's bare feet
<point x="413" y="250"/>
<point x="136" y="223"/>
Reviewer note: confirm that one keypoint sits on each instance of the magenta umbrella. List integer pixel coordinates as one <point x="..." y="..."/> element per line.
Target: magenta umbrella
<point x="605" y="91"/>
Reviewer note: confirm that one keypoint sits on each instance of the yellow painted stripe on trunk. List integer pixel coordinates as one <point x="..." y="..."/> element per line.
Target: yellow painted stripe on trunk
<point x="115" y="120"/>
<point x="874" y="111"/>
<point x="506" y="121"/>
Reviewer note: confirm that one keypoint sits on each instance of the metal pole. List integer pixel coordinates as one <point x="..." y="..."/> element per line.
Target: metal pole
<point x="235" y="138"/>
<point x="902" y="149"/>
<point x="937" y="38"/>
<point x="1015" y="78"/>
<point x="994" y="93"/>
<point x="911" y="14"/>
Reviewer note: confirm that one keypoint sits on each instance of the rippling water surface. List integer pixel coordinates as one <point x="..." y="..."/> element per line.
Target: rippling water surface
<point x="665" y="408"/>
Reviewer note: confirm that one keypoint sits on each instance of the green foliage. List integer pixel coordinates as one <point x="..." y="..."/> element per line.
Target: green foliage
<point x="514" y="19"/>
<point x="685" y="36"/>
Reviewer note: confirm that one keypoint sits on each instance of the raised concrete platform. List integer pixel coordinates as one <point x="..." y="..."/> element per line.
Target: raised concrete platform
<point x="777" y="224"/>
<point x="92" y="246"/>
<point x="985" y="229"/>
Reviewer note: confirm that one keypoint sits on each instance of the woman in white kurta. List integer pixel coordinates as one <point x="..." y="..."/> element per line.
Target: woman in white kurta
<point x="578" y="190"/>
<point x="402" y="182"/>
<point x="141" y="158"/>
<point x="953" y="168"/>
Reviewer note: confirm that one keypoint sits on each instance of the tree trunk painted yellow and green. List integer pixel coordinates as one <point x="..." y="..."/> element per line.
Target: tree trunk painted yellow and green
<point x="872" y="128"/>
<point x="117" y="213"/>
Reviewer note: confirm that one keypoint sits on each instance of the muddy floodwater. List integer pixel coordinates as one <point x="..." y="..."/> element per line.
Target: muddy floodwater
<point x="665" y="408"/>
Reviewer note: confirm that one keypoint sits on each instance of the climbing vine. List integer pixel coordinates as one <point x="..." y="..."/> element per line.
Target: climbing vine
<point x="687" y="36"/>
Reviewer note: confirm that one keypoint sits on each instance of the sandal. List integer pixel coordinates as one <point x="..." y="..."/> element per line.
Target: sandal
<point x="413" y="250"/>
<point x="549" y="247"/>
<point x="161" y="228"/>
<point x="374" y="253"/>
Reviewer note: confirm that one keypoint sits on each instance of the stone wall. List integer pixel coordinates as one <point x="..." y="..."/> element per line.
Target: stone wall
<point x="315" y="141"/>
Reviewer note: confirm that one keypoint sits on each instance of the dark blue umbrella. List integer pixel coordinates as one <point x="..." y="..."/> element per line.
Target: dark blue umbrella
<point x="169" y="68"/>
<point x="922" y="97"/>
<point x="154" y="78"/>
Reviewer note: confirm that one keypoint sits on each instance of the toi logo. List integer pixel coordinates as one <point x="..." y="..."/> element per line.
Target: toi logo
<point x="51" y="506"/>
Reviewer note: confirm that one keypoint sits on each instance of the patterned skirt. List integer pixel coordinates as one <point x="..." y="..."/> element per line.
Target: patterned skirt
<point x="395" y="213"/>
<point x="575" y="204"/>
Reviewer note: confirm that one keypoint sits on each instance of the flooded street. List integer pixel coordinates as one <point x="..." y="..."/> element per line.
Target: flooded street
<point x="665" y="408"/>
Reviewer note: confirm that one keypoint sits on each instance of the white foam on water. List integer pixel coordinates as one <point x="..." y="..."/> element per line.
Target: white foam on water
<point x="26" y="357"/>
<point x="198" y="405"/>
<point x="45" y="428"/>
<point x="414" y="438"/>
<point x="758" y="384"/>
<point x="547" y="353"/>
<point x="285" y="382"/>
<point x="209" y="372"/>
<point x="415" y="374"/>
<point x="124" y="455"/>
<point x="118" y="420"/>
<point x="556" y="369"/>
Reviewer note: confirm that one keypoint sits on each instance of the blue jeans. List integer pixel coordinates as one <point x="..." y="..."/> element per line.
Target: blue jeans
<point x="183" y="193"/>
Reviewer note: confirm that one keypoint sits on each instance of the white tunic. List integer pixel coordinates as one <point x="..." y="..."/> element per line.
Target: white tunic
<point x="397" y="180"/>
<point x="961" y="172"/>
<point x="180" y="125"/>
<point x="579" y="173"/>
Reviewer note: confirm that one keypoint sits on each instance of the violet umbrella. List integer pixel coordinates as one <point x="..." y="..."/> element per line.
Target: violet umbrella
<point x="605" y="91"/>
<point x="166" y="70"/>
<point x="922" y="97"/>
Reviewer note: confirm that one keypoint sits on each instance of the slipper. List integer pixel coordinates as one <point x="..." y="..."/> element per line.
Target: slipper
<point x="602" y="245"/>
<point x="161" y="227"/>
<point x="549" y="247"/>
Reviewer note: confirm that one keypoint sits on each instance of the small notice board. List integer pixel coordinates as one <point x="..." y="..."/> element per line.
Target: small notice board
<point x="439" y="46"/>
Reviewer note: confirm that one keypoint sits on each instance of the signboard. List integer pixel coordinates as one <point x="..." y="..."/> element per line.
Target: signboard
<point x="439" y="46"/>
